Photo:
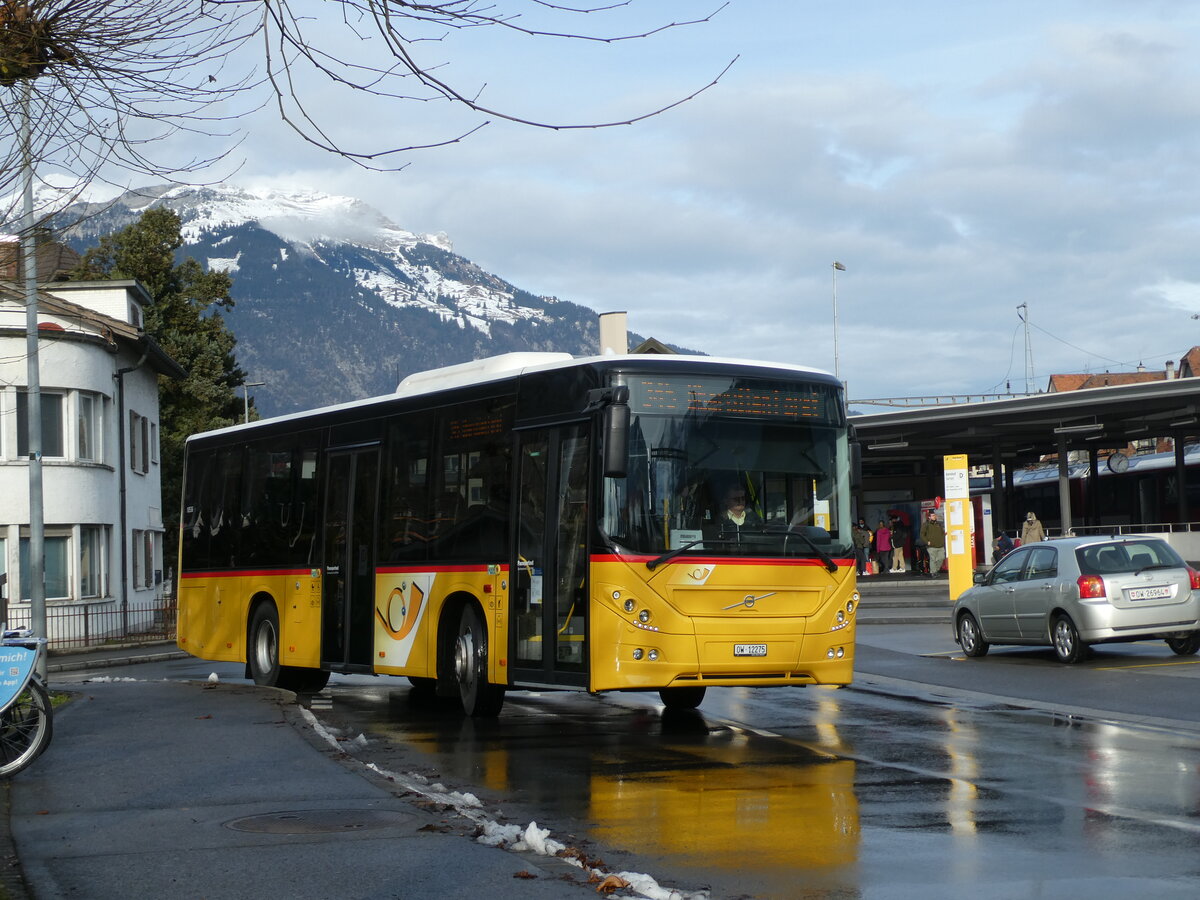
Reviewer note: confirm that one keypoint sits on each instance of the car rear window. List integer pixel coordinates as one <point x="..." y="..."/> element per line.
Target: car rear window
<point x="1126" y="556"/>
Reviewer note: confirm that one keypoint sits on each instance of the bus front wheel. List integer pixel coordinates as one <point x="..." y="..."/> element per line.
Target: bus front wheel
<point x="479" y="697"/>
<point x="682" y="697"/>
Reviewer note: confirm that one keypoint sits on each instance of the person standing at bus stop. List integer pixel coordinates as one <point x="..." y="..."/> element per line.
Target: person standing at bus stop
<point x="934" y="536"/>
<point x="862" y="545"/>
<point x="1031" y="529"/>
<point x="883" y="547"/>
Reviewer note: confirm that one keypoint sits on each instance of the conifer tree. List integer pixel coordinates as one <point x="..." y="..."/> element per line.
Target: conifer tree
<point x="184" y="319"/>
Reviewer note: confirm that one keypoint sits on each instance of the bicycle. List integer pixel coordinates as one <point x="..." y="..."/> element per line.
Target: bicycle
<point x="26" y="716"/>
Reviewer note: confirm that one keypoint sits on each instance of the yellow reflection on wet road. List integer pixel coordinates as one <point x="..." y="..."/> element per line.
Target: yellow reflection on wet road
<point x="727" y="810"/>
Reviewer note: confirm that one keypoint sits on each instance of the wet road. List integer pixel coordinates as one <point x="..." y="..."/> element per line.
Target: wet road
<point x="882" y="790"/>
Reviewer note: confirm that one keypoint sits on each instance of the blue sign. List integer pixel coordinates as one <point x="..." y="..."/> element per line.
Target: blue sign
<point x="16" y="667"/>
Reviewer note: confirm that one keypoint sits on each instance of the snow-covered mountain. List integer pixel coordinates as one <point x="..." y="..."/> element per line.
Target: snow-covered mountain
<point x="334" y="301"/>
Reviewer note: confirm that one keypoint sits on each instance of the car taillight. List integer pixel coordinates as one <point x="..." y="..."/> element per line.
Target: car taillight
<point x="1091" y="587"/>
<point x="1195" y="577"/>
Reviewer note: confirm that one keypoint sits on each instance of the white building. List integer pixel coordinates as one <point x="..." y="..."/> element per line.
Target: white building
<point x="102" y="495"/>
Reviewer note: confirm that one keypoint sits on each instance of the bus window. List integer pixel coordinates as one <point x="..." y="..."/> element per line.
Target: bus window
<point x="471" y="505"/>
<point x="195" y="533"/>
<point x="531" y="541"/>
<point x="302" y="526"/>
<point x="406" y="525"/>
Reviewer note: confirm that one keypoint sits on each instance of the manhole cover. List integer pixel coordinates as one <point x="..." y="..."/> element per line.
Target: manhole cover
<point x="319" y="821"/>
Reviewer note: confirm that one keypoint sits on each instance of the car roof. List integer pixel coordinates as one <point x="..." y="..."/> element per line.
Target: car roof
<point x="1093" y="540"/>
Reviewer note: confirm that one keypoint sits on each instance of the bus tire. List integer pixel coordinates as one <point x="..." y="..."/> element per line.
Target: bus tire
<point x="682" y="697"/>
<point x="303" y="681"/>
<point x="263" y="650"/>
<point x="479" y="698"/>
<point x="263" y="656"/>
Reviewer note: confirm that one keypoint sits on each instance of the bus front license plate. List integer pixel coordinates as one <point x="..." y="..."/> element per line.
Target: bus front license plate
<point x="749" y="649"/>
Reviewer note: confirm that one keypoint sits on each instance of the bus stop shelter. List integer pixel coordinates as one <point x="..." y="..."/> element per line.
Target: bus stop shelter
<point x="1016" y="432"/>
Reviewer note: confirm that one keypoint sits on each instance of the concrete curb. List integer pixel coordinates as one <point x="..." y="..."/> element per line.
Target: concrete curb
<point x="86" y="661"/>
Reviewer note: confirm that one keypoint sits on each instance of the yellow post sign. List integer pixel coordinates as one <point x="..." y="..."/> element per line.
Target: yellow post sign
<point x="958" y="523"/>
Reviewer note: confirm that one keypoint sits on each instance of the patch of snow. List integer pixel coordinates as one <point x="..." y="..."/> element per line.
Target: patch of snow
<point x="216" y="263"/>
<point x="531" y="838"/>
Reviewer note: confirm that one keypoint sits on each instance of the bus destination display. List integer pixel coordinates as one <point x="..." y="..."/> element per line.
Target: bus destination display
<point x="741" y="398"/>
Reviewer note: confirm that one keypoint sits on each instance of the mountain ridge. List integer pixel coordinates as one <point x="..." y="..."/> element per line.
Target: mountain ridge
<point x="333" y="301"/>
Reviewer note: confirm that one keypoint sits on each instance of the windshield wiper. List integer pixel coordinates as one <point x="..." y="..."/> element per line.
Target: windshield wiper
<point x="671" y="554"/>
<point x="1155" y="566"/>
<point x="830" y="565"/>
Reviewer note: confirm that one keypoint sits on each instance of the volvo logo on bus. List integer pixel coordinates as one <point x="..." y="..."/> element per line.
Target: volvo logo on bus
<point x="749" y="600"/>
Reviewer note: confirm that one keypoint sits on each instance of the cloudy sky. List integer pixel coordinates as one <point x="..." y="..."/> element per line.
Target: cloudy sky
<point x="959" y="159"/>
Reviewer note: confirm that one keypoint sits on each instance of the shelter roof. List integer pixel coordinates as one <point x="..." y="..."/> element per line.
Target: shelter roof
<point x="1022" y="429"/>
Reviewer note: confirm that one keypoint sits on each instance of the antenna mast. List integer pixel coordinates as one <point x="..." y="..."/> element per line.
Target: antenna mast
<point x="1023" y="313"/>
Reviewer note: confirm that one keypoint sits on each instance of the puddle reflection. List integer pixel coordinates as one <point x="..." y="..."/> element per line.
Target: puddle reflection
<point x="671" y="784"/>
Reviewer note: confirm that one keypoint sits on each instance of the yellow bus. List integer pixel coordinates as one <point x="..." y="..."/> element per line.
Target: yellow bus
<point x="533" y="521"/>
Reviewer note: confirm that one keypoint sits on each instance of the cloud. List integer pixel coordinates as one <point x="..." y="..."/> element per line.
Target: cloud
<point x="1037" y="155"/>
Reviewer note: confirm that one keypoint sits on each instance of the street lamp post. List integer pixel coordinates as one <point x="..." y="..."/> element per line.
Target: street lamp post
<point x="837" y="267"/>
<point x="246" y="398"/>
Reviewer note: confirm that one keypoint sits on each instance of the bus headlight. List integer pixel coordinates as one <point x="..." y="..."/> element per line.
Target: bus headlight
<point x="630" y="604"/>
<point x="644" y="616"/>
<point x="637" y="653"/>
<point x="653" y="655"/>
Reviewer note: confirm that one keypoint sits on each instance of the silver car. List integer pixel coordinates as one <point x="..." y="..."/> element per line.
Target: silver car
<point x="1072" y="592"/>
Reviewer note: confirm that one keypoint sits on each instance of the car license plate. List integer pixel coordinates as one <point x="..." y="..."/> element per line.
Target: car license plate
<point x="1150" y="593"/>
<point x="749" y="649"/>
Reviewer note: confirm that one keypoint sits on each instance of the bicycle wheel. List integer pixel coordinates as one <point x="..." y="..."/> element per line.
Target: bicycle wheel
<point x="25" y="729"/>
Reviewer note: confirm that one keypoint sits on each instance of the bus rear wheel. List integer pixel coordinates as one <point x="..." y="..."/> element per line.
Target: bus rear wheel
<point x="682" y="697"/>
<point x="479" y="697"/>
<point x="264" y="657"/>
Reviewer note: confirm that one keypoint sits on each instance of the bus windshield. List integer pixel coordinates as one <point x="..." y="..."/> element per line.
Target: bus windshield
<point x="732" y="466"/>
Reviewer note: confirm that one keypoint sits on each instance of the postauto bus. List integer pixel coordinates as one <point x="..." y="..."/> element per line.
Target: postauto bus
<point x="532" y="521"/>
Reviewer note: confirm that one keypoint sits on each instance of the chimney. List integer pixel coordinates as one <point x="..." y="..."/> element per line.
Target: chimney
<point x="1170" y="370"/>
<point x="614" y="336"/>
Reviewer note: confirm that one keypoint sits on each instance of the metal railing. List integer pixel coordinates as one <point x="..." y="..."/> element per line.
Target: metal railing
<point x="1142" y="528"/>
<point x="77" y="626"/>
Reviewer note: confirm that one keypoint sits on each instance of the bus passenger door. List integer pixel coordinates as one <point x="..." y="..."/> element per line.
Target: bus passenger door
<point x="550" y="590"/>
<point x="348" y="603"/>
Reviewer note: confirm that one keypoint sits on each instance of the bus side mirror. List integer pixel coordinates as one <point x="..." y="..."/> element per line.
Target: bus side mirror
<point x="855" y="465"/>
<point x="616" y="435"/>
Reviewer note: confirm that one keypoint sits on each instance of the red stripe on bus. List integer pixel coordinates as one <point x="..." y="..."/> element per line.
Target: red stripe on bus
<point x="245" y="573"/>
<point x="382" y="570"/>
<point x="721" y="560"/>
<point x="434" y="567"/>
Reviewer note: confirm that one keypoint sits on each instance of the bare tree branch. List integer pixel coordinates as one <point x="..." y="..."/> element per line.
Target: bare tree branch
<point x="113" y="80"/>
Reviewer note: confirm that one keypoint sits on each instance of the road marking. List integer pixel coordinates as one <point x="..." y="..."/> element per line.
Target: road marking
<point x="1174" y="662"/>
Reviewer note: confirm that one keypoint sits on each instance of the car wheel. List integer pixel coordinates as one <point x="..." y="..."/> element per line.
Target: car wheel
<point x="1185" y="644"/>
<point x="1067" y="646"/>
<point x="970" y="638"/>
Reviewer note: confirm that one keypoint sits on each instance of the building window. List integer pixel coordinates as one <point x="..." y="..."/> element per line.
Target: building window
<point x="153" y="443"/>
<point x="139" y="443"/>
<point x="53" y="445"/>
<point x="92" y="555"/>
<point x="89" y="424"/>
<point x="147" y="555"/>
<point x="58" y="573"/>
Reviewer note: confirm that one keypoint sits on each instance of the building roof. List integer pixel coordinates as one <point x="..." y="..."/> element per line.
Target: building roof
<point x="93" y="325"/>
<point x="1060" y="383"/>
